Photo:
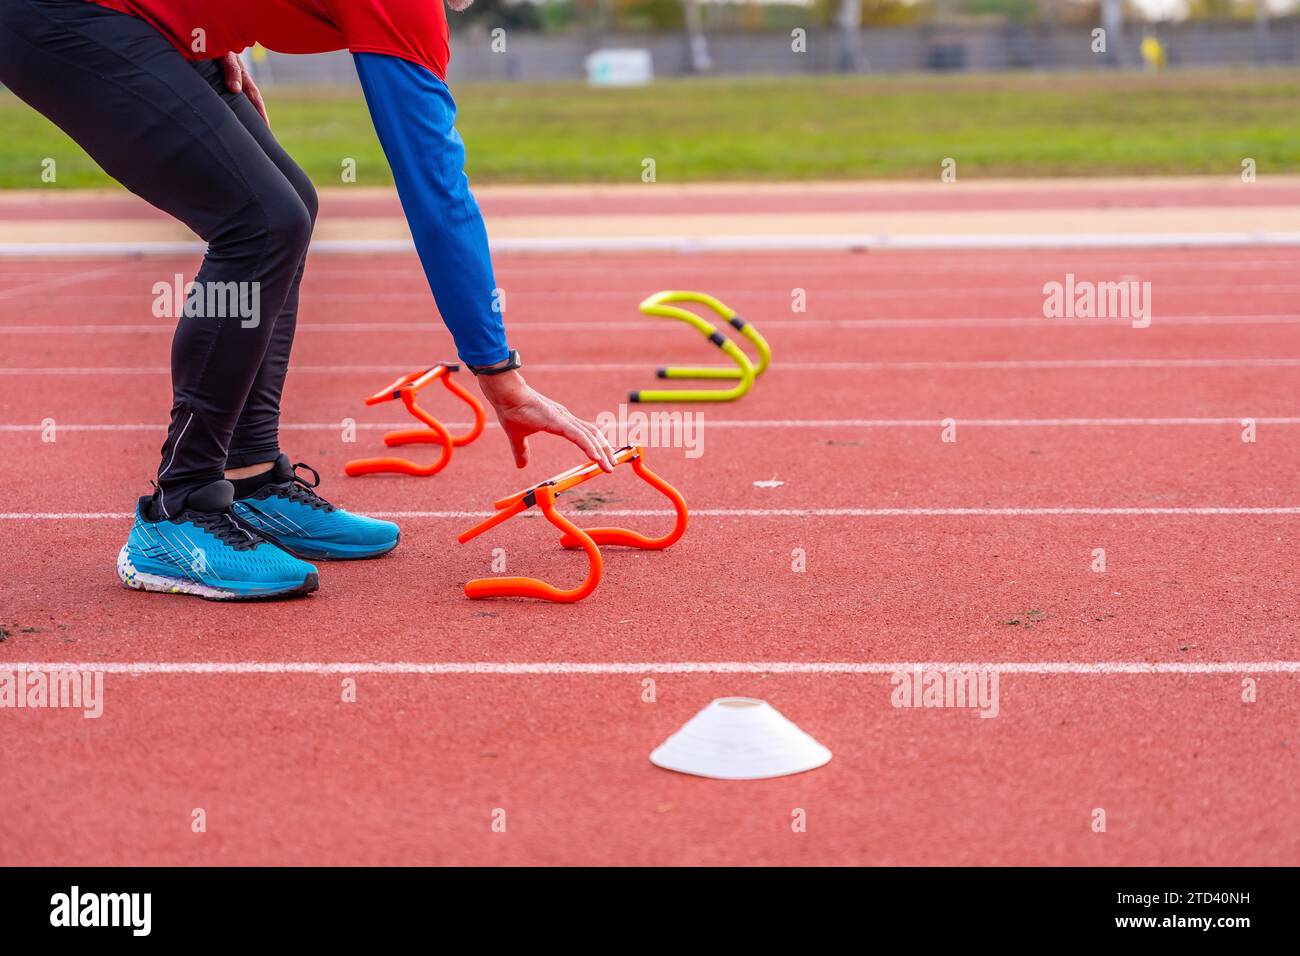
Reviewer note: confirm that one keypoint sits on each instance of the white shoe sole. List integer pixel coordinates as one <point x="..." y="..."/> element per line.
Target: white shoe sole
<point x="142" y="581"/>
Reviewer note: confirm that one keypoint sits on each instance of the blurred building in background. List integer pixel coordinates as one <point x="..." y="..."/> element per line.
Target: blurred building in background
<point x="553" y="39"/>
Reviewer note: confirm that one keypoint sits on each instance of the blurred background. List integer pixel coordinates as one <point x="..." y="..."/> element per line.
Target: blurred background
<point x="554" y="39"/>
<point x="585" y="91"/>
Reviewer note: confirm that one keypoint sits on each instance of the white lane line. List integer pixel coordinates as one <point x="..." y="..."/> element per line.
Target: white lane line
<point x="749" y="242"/>
<point x="756" y="513"/>
<point x="858" y="294"/>
<point x="641" y="326"/>
<point x="671" y="245"/>
<point x="55" y="281"/>
<point x="511" y="668"/>
<point x="797" y="423"/>
<point x="768" y="274"/>
<point x="593" y="368"/>
<point x="992" y="264"/>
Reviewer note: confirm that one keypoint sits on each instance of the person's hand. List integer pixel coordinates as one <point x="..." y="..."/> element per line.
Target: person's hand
<point x="523" y="411"/>
<point x="238" y="80"/>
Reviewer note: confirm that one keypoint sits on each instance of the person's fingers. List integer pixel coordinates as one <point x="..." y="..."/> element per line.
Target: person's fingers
<point x="596" y="440"/>
<point x="605" y="443"/>
<point x="569" y="428"/>
<point x="518" y="445"/>
<point x="606" y="459"/>
<point x="597" y="451"/>
<point x="254" y="95"/>
<point x="231" y="69"/>
<point x="550" y="416"/>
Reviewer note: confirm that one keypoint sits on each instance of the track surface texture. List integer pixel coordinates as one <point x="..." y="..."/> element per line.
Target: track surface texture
<point x="931" y="472"/>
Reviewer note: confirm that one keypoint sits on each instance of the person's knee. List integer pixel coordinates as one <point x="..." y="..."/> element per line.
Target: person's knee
<point x="271" y="230"/>
<point x="289" y="222"/>
<point x="307" y="193"/>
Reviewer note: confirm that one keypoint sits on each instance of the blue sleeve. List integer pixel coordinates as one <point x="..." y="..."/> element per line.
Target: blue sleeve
<point x="415" y="117"/>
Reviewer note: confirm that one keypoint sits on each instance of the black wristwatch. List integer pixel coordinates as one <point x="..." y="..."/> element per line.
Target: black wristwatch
<point x="512" y="363"/>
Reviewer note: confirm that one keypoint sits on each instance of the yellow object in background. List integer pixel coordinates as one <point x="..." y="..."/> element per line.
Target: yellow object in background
<point x="1153" y="53"/>
<point x="745" y="371"/>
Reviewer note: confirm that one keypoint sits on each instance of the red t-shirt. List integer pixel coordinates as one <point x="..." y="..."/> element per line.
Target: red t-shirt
<point x="414" y="30"/>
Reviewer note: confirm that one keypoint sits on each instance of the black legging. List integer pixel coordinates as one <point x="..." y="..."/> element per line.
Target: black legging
<point x="169" y="131"/>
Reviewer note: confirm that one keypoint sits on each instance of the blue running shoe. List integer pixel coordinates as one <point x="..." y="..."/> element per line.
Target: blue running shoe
<point x="287" y="510"/>
<point x="205" y="551"/>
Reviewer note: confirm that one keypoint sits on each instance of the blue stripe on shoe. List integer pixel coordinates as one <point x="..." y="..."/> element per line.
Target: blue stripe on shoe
<point x="306" y="524"/>
<point x="209" y="555"/>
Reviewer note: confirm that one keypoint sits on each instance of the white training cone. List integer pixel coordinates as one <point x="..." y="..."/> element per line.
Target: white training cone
<point x="739" y="738"/>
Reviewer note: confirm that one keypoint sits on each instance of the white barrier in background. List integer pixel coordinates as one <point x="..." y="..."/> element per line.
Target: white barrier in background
<point x="620" y="68"/>
<point x="778" y="242"/>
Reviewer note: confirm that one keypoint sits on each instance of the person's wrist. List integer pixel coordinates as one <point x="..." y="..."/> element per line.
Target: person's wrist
<point x="506" y="388"/>
<point x="512" y="360"/>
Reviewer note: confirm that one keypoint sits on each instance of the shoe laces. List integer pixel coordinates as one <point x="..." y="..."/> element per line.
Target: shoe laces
<point x="222" y="525"/>
<point x="225" y="527"/>
<point x="303" y="491"/>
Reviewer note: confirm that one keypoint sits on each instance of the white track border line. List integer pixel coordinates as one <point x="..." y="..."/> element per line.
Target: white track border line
<point x="799" y="423"/>
<point x="857" y="295"/>
<point x="594" y="368"/>
<point x="1060" y="512"/>
<point x="951" y="322"/>
<point x="769" y="242"/>
<point x="976" y="263"/>
<point x="516" y="669"/>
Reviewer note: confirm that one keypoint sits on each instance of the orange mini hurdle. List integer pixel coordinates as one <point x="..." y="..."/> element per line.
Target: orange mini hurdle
<point x="543" y="496"/>
<point x="404" y="389"/>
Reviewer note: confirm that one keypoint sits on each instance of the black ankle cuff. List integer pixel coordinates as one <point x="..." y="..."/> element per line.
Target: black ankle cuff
<point x="246" y="486"/>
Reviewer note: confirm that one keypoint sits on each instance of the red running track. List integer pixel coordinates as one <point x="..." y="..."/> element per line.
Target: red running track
<point x="1070" y="437"/>
<point x="828" y="197"/>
